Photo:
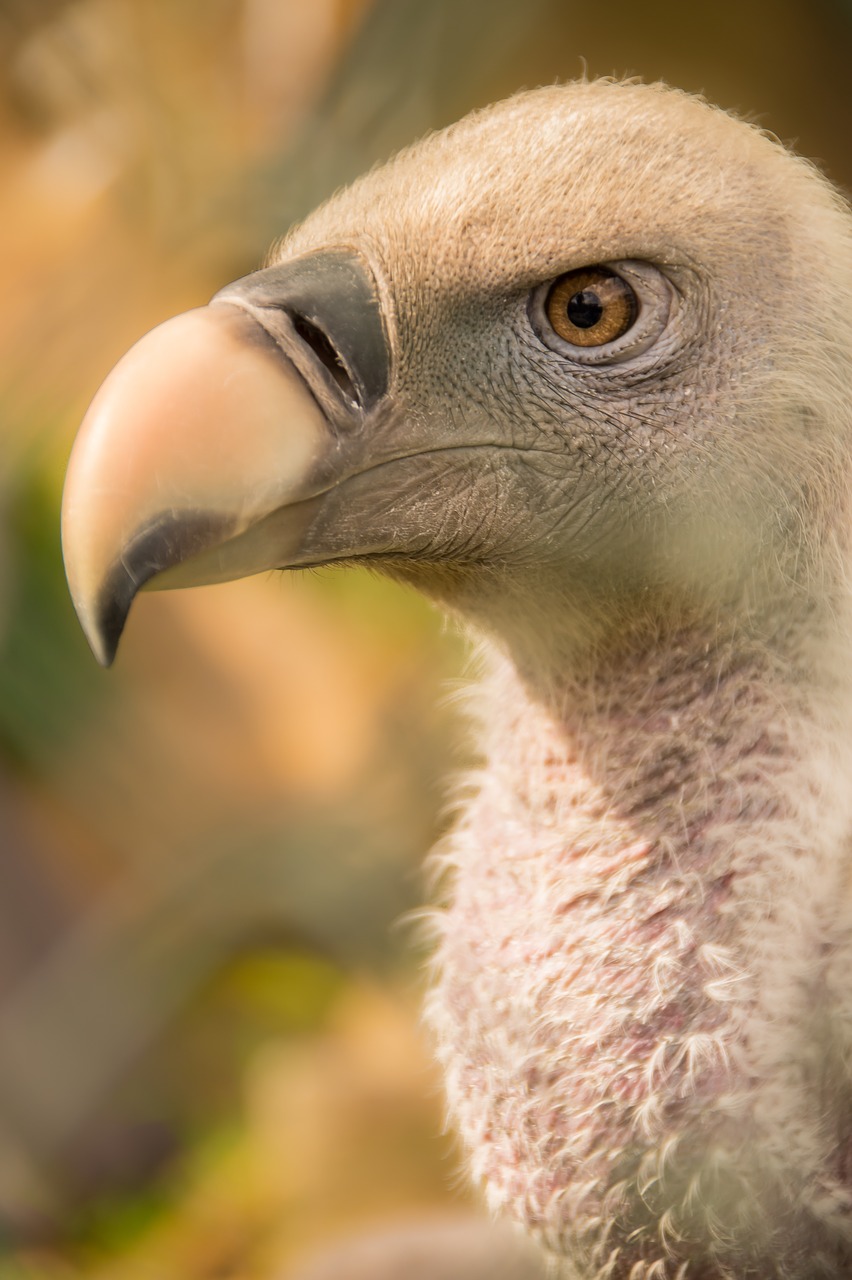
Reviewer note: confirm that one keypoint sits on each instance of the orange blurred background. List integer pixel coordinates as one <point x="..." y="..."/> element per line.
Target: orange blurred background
<point x="209" y="1053"/>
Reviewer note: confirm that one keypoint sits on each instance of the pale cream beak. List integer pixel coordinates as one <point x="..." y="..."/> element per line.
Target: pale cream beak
<point x="196" y="462"/>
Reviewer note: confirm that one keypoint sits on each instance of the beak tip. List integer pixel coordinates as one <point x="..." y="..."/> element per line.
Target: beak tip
<point x="104" y="650"/>
<point x="102" y="620"/>
<point x="106" y="627"/>
<point x="103" y="633"/>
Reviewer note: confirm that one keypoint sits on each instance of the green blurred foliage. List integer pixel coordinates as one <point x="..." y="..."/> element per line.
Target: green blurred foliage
<point x="48" y="686"/>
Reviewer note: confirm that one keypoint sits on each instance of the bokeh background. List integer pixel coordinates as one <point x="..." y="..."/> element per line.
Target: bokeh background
<point x="210" y="1060"/>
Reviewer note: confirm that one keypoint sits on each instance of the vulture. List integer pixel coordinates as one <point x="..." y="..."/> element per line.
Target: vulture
<point x="578" y="368"/>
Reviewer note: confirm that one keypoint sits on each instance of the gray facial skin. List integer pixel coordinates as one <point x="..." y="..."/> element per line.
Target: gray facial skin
<point x="641" y="997"/>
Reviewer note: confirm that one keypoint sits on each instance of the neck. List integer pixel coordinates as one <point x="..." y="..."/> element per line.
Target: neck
<point x="643" y="950"/>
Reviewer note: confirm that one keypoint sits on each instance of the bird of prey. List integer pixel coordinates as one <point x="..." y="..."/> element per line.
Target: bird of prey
<point x="577" y="367"/>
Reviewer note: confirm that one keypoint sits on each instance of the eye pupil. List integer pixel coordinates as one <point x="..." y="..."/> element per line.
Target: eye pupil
<point x="585" y="309"/>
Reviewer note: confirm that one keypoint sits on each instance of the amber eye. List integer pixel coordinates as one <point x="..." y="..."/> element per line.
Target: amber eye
<point x="591" y="307"/>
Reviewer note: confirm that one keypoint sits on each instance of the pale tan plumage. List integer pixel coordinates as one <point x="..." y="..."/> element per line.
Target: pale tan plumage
<point x="642" y="983"/>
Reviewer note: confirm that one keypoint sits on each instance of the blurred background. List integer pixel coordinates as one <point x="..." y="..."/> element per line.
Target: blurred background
<point x="210" y="1060"/>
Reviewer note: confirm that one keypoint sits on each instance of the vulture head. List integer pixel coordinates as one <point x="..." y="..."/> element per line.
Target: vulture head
<point x="579" y="368"/>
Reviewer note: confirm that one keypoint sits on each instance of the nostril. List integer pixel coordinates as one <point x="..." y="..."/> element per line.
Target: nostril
<point x="331" y="307"/>
<point x="323" y="349"/>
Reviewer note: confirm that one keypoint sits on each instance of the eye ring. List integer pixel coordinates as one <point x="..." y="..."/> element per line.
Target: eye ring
<point x="628" y="311"/>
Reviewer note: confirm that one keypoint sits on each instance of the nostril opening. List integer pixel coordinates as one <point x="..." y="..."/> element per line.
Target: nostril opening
<point x="319" y="343"/>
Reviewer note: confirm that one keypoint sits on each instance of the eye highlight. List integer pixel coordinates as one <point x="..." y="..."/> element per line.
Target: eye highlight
<point x="591" y="307"/>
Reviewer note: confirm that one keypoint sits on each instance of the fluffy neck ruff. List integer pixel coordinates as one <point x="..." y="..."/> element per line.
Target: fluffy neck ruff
<point x="642" y="990"/>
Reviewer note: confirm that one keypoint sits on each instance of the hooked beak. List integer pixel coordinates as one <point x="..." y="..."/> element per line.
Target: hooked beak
<point x="208" y="450"/>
